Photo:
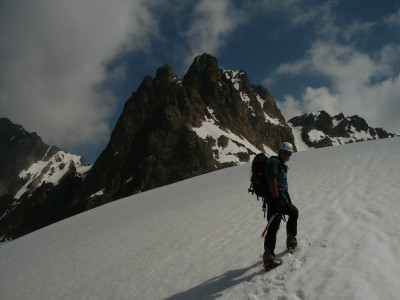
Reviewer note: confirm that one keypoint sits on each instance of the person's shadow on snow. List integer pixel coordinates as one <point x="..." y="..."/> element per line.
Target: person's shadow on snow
<point x="211" y="289"/>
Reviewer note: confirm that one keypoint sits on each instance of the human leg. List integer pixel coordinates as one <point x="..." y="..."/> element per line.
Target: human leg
<point x="291" y="226"/>
<point x="270" y="237"/>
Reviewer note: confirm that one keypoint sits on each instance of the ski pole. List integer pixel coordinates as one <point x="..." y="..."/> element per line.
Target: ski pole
<point x="268" y="224"/>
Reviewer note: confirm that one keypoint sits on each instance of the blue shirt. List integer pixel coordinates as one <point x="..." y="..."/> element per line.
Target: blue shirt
<point x="277" y="168"/>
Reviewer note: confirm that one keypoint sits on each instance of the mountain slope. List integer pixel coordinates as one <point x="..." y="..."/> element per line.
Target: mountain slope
<point x="36" y="180"/>
<point x="27" y="162"/>
<point x="18" y="150"/>
<point x="200" y="238"/>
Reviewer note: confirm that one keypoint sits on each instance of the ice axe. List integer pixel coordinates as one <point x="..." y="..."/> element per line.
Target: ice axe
<point x="268" y="224"/>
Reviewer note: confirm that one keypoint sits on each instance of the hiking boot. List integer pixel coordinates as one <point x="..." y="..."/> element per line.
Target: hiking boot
<point x="268" y="255"/>
<point x="271" y="264"/>
<point x="291" y="243"/>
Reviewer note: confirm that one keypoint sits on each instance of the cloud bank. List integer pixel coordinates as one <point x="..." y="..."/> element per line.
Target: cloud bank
<point x="53" y="55"/>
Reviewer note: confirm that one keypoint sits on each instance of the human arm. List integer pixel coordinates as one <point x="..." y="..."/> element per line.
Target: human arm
<point x="273" y="186"/>
<point x="278" y="198"/>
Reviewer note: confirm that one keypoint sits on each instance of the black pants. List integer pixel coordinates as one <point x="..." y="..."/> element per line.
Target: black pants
<point x="291" y="226"/>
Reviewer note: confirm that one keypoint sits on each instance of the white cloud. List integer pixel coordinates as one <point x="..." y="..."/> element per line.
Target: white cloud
<point x="295" y="68"/>
<point x="291" y="107"/>
<point x="359" y="84"/>
<point x="357" y="28"/>
<point x="389" y="59"/>
<point x="52" y="62"/>
<point x="300" y="12"/>
<point x="393" y="19"/>
<point x="312" y="100"/>
<point x="212" y="25"/>
<point x="316" y="99"/>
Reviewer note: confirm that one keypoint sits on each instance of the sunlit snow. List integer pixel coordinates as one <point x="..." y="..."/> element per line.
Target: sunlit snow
<point x="300" y="145"/>
<point x="234" y="77"/>
<point x="200" y="238"/>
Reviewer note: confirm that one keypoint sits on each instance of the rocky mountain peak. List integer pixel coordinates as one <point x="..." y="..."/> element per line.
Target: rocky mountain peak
<point x="319" y="129"/>
<point x="9" y="131"/>
<point x="172" y="129"/>
<point x="203" y="73"/>
<point x="164" y="75"/>
<point x="204" y="63"/>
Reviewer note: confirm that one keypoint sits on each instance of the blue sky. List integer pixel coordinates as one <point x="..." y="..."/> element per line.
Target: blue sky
<point x="67" y="67"/>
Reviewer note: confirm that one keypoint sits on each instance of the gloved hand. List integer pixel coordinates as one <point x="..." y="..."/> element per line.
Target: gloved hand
<point x="281" y="201"/>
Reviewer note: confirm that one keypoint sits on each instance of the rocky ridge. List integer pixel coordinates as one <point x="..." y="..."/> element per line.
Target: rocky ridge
<point x="316" y="130"/>
<point x="173" y="128"/>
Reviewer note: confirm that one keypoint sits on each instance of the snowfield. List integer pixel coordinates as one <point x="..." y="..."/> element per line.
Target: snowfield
<point x="200" y="238"/>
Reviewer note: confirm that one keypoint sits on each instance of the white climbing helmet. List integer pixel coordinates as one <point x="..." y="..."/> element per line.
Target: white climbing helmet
<point x="286" y="146"/>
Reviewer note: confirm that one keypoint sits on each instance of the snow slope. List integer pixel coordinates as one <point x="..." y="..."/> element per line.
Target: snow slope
<point x="298" y="141"/>
<point x="200" y="238"/>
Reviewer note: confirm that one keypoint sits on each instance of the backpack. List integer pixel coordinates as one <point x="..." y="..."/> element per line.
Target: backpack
<point x="258" y="185"/>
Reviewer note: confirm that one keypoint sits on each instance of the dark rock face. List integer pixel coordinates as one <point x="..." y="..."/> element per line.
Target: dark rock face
<point x="322" y="130"/>
<point x="46" y="205"/>
<point x="18" y="150"/>
<point x="27" y="201"/>
<point x="155" y="143"/>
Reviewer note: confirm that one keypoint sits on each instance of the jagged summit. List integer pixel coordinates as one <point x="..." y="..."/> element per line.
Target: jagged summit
<point x="319" y="129"/>
<point x="175" y="128"/>
<point x="203" y="71"/>
<point x="165" y="75"/>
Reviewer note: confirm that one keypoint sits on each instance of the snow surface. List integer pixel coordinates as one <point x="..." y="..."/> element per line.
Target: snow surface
<point x="236" y="144"/>
<point x="200" y="238"/>
<point x="233" y="75"/>
<point x="298" y="141"/>
<point x="272" y="120"/>
<point x="316" y="135"/>
<point x="99" y="193"/>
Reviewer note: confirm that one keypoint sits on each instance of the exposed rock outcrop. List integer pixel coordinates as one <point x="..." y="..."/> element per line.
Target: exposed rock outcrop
<point x="173" y="128"/>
